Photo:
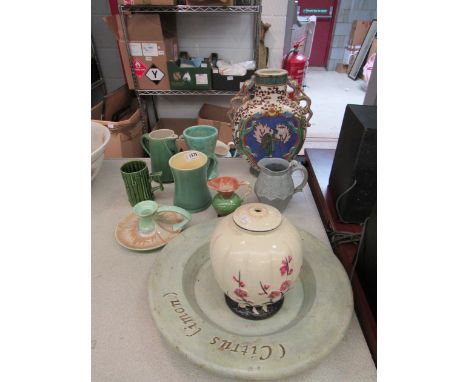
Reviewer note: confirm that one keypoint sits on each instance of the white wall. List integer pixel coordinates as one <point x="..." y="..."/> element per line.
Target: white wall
<point x="274" y="12"/>
<point x="231" y="36"/>
<point x="228" y="34"/>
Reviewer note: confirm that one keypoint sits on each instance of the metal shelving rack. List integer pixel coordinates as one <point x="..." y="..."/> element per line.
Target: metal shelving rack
<point x="191" y="8"/>
<point x="186" y="92"/>
<point x="254" y="7"/>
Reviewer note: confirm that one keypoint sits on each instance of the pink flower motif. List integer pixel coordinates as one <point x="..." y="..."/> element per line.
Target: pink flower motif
<point x="240" y="293"/>
<point x="285" y="286"/>
<point x="274" y="294"/>
<point x="266" y="286"/>
<point x="284" y="269"/>
<point x="239" y="281"/>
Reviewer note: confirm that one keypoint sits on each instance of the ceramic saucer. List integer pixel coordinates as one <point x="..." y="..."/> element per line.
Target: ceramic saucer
<point x="128" y="236"/>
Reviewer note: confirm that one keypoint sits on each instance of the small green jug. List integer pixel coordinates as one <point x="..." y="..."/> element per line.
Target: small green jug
<point x="161" y="146"/>
<point x="226" y="200"/>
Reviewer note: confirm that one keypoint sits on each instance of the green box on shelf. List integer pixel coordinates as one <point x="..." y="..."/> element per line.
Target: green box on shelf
<point x="189" y="78"/>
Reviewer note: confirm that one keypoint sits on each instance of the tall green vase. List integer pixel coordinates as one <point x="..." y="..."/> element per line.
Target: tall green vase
<point x="189" y="169"/>
<point x="203" y="138"/>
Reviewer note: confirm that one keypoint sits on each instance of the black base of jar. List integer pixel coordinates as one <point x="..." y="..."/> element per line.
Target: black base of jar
<point x="248" y="313"/>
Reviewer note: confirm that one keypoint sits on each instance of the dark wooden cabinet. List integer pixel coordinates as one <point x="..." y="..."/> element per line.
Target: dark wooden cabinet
<point x="344" y="239"/>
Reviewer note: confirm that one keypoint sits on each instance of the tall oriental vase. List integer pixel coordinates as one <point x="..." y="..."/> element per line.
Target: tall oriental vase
<point x="269" y="124"/>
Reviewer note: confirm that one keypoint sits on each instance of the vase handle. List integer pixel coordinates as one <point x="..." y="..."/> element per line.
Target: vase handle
<point x="242" y="96"/>
<point x="144" y="141"/>
<point x="299" y="96"/>
<point x="249" y="189"/>
<point x="296" y="166"/>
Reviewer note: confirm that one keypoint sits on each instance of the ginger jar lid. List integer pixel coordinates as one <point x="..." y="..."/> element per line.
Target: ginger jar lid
<point x="258" y="217"/>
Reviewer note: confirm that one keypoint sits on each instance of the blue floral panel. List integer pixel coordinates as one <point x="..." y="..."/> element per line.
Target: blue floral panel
<point x="272" y="136"/>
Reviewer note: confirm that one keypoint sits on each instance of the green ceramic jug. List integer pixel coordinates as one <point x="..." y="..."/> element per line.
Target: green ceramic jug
<point x="189" y="169"/>
<point x="160" y="146"/>
<point x="203" y="138"/>
<point x="226" y="200"/>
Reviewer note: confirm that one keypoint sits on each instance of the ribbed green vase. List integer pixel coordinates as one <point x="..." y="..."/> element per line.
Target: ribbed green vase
<point x="137" y="180"/>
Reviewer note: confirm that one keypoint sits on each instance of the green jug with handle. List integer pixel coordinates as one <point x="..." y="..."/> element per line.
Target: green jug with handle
<point x="203" y="138"/>
<point x="161" y="146"/>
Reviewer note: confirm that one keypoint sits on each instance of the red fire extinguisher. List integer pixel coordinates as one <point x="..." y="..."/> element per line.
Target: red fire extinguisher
<point x="295" y="62"/>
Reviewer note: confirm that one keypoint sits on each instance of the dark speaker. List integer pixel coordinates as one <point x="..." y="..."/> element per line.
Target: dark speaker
<point x="366" y="266"/>
<point x="353" y="177"/>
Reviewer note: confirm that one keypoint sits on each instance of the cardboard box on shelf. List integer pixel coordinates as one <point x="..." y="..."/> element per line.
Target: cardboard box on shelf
<point x="222" y="82"/>
<point x="189" y="78"/>
<point x="148" y="2"/>
<point x="119" y="111"/>
<point x="216" y="116"/>
<point x="359" y="31"/>
<point x="152" y="41"/>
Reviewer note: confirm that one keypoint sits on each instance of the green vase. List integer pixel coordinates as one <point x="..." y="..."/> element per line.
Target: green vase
<point x="137" y="180"/>
<point x="225" y="206"/>
<point x="226" y="200"/>
<point x="189" y="169"/>
<point x="203" y="138"/>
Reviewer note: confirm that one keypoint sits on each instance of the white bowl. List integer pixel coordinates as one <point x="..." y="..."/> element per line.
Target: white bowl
<point x="100" y="138"/>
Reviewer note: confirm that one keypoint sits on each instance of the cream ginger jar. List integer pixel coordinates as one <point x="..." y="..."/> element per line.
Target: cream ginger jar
<point x="256" y="255"/>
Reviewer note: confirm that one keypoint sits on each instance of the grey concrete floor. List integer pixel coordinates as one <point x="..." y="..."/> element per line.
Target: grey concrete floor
<point x="330" y="92"/>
